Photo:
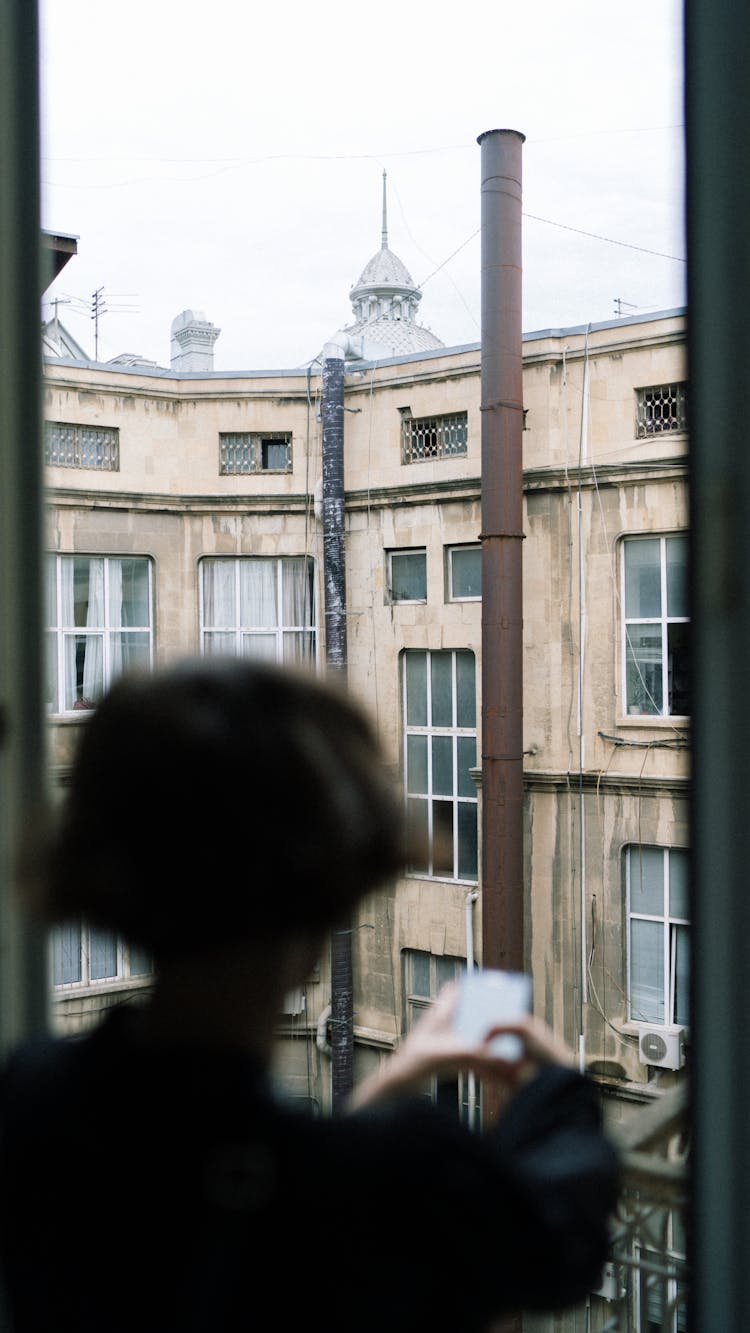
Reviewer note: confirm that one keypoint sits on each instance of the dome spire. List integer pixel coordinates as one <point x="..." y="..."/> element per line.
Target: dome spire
<point x="384" y="238"/>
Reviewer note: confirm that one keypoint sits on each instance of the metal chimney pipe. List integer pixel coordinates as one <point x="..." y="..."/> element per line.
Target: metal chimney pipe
<point x="502" y="538"/>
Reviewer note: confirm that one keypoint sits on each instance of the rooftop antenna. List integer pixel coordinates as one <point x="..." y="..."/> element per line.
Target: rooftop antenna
<point x="619" y="303"/>
<point x="384" y="237"/>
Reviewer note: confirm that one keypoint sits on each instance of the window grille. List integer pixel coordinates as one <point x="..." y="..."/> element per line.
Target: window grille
<point x="660" y="410"/>
<point x="67" y="445"/>
<point x="423" y="438"/>
<point x="248" y="451"/>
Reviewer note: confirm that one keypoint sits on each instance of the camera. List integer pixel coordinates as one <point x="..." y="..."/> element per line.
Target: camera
<point x="488" y="997"/>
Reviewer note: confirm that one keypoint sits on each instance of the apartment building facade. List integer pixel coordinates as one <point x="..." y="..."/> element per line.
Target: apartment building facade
<point x="184" y="515"/>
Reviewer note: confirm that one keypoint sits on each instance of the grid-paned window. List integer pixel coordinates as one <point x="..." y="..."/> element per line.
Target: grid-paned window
<point x="658" y="934"/>
<point x="251" y="451"/>
<point x="440" y="745"/>
<point x="81" y="955"/>
<point x="259" y="607"/>
<point x="661" y="1268"/>
<point x="68" y="445"/>
<point x="661" y="410"/>
<point x="423" y="438"/>
<point x="424" y="975"/>
<point x="407" y="575"/>
<point x="99" y="624"/>
<point x="656" y="625"/>
<point x="464" y="572"/>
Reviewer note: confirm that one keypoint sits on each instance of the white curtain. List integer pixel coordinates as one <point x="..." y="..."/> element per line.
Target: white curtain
<point x="82" y="586"/>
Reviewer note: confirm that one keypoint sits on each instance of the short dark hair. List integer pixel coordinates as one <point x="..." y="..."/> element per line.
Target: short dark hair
<point x="219" y="798"/>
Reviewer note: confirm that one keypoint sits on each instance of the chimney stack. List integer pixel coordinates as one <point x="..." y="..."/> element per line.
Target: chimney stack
<point x="193" y="341"/>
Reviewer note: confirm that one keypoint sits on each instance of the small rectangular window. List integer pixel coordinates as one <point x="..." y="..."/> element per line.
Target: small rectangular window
<point x="68" y="445"/>
<point x="425" y="438"/>
<point x="83" y="956"/>
<point x="249" y="451"/>
<point x="661" y="410"/>
<point x="464" y="572"/>
<point x="407" y="575"/>
<point x="424" y="976"/>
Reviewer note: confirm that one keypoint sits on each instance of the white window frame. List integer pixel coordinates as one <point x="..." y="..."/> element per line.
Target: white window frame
<point x="236" y="638"/>
<point x="121" y="977"/>
<point x="450" y="551"/>
<point x="461" y="1091"/>
<point x="636" y="706"/>
<point x="60" y="633"/>
<point x="453" y="732"/>
<point x="410" y="553"/>
<point x="670" y="925"/>
<point x="662" y="1263"/>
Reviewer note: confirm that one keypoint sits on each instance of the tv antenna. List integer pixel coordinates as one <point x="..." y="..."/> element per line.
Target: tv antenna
<point x="99" y="308"/>
<point x="619" y="303"/>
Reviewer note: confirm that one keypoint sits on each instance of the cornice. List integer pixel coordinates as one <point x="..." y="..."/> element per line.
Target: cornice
<point x="614" y="784"/>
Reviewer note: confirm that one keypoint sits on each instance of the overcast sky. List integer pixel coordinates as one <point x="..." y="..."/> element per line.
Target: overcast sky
<point x="228" y="158"/>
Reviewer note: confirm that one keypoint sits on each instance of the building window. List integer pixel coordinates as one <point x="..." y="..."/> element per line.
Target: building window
<point x="661" y="1268"/>
<point x="407" y="575"/>
<point x="656" y="623"/>
<point x="439" y="712"/>
<point x="423" y="438"/>
<point x="84" y="956"/>
<point x="661" y="410"/>
<point x="464" y="572"/>
<point x="66" y="445"/>
<point x="424" y="975"/>
<point x="99" y="625"/>
<point x="255" y="607"/>
<point x="254" y="452"/>
<point x="658" y="935"/>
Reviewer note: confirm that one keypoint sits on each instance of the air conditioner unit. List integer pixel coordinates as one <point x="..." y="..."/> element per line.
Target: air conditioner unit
<point x="294" y="1001"/>
<point x="663" y="1047"/>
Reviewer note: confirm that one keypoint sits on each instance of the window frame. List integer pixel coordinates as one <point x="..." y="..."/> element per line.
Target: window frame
<point x="59" y="633"/>
<point x="671" y="924"/>
<point x="663" y="622"/>
<point x="442" y="426"/>
<point x="455" y="1092"/>
<point x="431" y="798"/>
<point x="254" y="443"/>
<point x="450" y="594"/>
<point x="408" y="553"/>
<point x="243" y="634"/>
<point x="123" y="977"/>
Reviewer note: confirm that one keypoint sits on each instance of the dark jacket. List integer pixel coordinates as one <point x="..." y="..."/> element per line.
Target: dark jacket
<point x="171" y="1190"/>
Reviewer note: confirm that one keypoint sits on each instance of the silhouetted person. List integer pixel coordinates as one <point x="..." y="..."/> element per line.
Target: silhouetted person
<point x="225" y="815"/>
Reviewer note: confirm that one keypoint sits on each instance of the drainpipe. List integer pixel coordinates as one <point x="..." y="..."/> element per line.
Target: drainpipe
<point x="334" y="578"/>
<point x="502" y="538"/>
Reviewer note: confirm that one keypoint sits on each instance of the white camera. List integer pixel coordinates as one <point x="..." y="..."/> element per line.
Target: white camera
<point x="488" y="997"/>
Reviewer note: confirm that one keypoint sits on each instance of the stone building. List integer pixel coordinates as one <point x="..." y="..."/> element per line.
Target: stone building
<point x="183" y="515"/>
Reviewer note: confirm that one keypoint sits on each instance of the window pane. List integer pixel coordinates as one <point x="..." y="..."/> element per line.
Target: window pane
<point x="130" y="591"/>
<point x="442" y="689"/>
<point x="679" y="903"/>
<point x="416" y="764"/>
<point x="258" y="591"/>
<point x="219" y="593"/>
<point x="647" y="880"/>
<point x="647" y="971"/>
<point x="466" y="572"/>
<point x="102" y="955"/>
<point x="442" y="765"/>
<point x="50" y="590"/>
<point x="442" y="838"/>
<point x="466" y="701"/>
<point x="84" y="670"/>
<point x="261" y="647"/>
<point x="296" y="593"/>
<point x="297" y="646"/>
<point x="643" y="578"/>
<point x="467" y="840"/>
<point x="88" y="592"/>
<point x="681" y="946"/>
<point x="50" y="646"/>
<point x="467" y="755"/>
<point x="445" y="970"/>
<point x="129" y="651"/>
<point x="214" y="644"/>
<point x="275" y="454"/>
<point x="141" y="962"/>
<point x="409" y="576"/>
<point x="416" y="815"/>
<point x="678" y="669"/>
<point x="643" y="669"/>
<point x="66" y="955"/>
<point x="416" y="689"/>
<point x="419" y="982"/>
<point x="677" y="575"/>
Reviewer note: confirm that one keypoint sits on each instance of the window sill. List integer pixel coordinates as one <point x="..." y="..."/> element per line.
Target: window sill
<point x="680" y="722"/>
<point x="108" y="985"/>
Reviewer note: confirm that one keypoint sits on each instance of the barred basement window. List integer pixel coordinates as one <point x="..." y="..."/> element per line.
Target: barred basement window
<point x="67" y="445"/>
<point x="660" y="410"/>
<point x="249" y="451"/>
<point x="423" y="438"/>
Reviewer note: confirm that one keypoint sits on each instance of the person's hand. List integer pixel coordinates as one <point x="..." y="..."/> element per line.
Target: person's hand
<point x="433" y="1047"/>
